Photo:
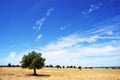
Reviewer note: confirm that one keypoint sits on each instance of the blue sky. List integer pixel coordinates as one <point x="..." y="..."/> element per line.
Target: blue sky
<point x="66" y="32"/>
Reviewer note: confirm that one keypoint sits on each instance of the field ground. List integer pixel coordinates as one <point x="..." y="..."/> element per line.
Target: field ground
<point x="59" y="74"/>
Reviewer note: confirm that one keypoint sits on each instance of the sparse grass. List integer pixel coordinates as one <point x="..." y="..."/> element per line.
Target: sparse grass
<point x="16" y="73"/>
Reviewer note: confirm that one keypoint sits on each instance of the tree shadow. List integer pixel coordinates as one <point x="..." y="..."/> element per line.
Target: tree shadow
<point x="38" y="75"/>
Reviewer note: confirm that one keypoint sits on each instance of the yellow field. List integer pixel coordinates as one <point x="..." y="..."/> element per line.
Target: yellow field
<point x="59" y="74"/>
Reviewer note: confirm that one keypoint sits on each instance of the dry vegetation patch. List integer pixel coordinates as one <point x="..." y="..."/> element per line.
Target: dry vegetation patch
<point x="15" y="73"/>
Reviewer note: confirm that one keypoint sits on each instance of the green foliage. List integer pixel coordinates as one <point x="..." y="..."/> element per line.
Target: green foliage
<point x="63" y="66"/>
<point x="38" y="63"/>
<point x="74" y="66"/>
<point x="79" y="67"/>
<point x="50" y="66"/>
<point x="33" y="60"/>
<point x="58" y="66"/>
<point x="9" y="65"/>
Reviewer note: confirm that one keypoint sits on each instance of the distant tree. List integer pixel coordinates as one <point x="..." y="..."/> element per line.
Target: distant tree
<point x="113" y="67"/>
<point x="17" y="65"/>
<point x="13" y="65"/>
<point x="71" y="67"/>
<point x="33" y="61"/>
<point x="51" y="66"/>
<point x="90" y="67"/>
<point x="58" y="66"/>
<point x="63" y="66"/>
<point x="74" y="67"/>
<point x="107" y="68"/>
<point x="85" y="67"/>
<point x="47" y="66"/>
<point x="79" y="67"/>
<point x="68" y="67"/>
<point x="9" y="64"/>
<point x="4" y="65"/>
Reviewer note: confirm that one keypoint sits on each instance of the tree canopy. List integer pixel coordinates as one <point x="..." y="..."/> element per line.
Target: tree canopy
<point x="33" y="60"/>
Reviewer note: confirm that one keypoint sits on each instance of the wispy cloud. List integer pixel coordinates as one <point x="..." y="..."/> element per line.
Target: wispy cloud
<point x="73" y="46"/>
<point x="108" y="27"/>
<point x="99" y="50"/>
<point x="39" y="36"/>
<point x="39" y="23"/>
<point x="64" y="27"/>
<point x="50" y="11"/>
<point x="92" y="8"/>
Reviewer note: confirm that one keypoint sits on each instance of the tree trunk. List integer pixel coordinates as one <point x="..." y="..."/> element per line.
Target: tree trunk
<point x="34" y="72"/>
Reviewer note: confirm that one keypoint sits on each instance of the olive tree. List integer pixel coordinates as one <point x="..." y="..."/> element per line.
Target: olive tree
<point x="33" y="61"/>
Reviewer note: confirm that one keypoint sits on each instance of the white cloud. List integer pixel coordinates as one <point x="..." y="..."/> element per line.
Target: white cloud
<point x="109" y="32"/>
<point x="98" y="50"/>
<point x="39" y="36"/>
<point x="104" y="30"/>
<point x="75" y="40"/>
<point x="67" y="49"/>
<point x="50" y="11"/>
<point x="108" y="27"/>
<point x="92" y="8"/>
<point x="70" y="40"/>
<point x="39" y="24"/>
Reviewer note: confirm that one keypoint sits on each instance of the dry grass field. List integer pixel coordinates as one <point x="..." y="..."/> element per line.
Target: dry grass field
<point x="59" y="74"/>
